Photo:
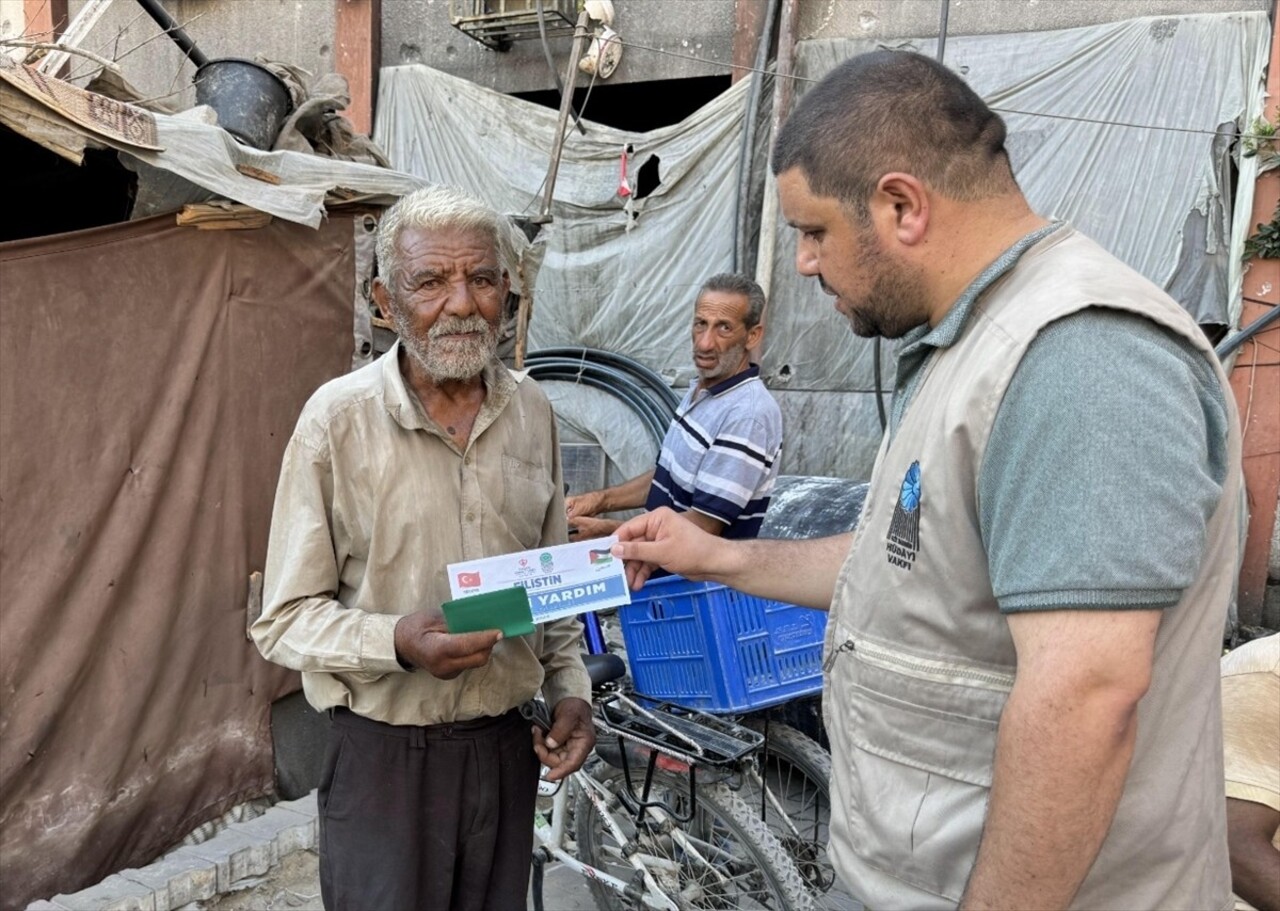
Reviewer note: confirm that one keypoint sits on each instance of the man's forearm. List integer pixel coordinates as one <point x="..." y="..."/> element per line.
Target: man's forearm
<point x="1255" y="862"/>
<point x="1060" y="766"/>
<point x="797" y="572"/>
<point x="628" y="495"/>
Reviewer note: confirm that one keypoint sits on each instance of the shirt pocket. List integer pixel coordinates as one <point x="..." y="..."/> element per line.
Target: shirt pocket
<point x="527" y="490"/>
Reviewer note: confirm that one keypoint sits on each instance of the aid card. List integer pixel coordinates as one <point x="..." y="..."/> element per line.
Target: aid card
<point x="561" y="581"/>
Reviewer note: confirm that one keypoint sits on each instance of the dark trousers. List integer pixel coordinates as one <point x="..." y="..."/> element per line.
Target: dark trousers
<point x="436" y="818"/>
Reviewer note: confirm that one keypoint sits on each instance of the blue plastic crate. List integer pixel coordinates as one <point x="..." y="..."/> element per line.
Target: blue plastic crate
<point x="708" y="647"/>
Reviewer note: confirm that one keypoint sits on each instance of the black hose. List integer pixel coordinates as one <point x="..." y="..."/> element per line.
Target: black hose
<point x="653" y="413"/>
<point x="1233" y="342"/>
<point x="655" y="383"/>
<point x="642" y="390"/>
<point x="174" y="31"/>
<point x="565" y="376"/>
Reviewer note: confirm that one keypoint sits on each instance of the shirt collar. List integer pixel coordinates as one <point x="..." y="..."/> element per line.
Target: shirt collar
<point x="737" y="379"/>
<point x="949" y="328"/>
<point x="406" y="409"/>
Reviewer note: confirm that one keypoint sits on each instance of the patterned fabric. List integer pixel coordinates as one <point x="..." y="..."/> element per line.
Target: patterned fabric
<point x="720" y="455"/>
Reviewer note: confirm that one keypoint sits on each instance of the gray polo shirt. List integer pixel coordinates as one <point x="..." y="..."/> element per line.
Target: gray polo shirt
<point x="1102" y="400"/>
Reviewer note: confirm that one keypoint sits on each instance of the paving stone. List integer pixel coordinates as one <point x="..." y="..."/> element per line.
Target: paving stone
<point x="45" y="905"/>
<point x="238" y="855"/>
<point x="289" y="830"/>
<point x="177" y="879"/>
<point x="115" y="893"/>
<point x="307" y="805"/>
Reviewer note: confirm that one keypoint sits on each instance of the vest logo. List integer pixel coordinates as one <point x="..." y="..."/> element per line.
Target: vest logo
<point x="903" y="541"/>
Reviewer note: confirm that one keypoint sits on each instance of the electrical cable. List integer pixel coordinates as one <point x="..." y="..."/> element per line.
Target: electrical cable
<point x="551" y="65"/>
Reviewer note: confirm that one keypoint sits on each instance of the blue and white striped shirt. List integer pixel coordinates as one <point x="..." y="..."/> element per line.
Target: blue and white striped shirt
<point x="720" y="455"/>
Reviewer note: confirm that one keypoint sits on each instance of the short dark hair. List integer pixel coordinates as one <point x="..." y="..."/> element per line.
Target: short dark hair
<point x="736" y="283"/>
<point x="894" y="111"/>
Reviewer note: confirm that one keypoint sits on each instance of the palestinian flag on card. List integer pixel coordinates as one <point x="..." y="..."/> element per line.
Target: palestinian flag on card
<point x="599" y="557"/>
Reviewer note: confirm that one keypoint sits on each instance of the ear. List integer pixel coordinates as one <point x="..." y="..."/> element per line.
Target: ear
<point x="506" y="283"/>
<point x="900" y="207"/>
<point x="382" y="297"/>
<point x="754" y="334"/>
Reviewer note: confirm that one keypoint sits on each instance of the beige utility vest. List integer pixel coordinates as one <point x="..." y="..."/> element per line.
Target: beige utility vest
<point x="920" y="661"/>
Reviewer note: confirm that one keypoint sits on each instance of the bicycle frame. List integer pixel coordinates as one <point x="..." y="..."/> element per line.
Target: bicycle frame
<point x="550" y="838"/>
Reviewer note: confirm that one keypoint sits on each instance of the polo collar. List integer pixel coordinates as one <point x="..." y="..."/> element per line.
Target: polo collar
<point x="737" y="379"/>
<point x="949" y="329"/>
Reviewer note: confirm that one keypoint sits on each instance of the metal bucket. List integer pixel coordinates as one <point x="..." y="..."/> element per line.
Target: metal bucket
<point x="252" y="103"/>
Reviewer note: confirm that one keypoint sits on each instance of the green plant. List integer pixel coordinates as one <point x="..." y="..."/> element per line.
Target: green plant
<point x="1260" y="140"/>
<point x="1265" y="243"/>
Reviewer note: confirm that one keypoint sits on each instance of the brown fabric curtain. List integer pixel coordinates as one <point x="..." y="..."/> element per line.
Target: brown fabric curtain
<point x="150" y="376"/>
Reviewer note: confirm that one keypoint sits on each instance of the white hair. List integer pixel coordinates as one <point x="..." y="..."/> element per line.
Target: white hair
<point x="441" y="208"/>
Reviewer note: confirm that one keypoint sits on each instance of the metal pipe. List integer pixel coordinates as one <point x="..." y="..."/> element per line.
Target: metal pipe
<point x="747" y="148"/>
<point x="174" y="31"/>
<point x="566" y="102"/>
<point x="1228" y="345"/>
<point x="942" y="29"/>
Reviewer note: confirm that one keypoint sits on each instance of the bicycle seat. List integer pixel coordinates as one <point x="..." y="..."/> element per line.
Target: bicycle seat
<point x="604" y="668"/>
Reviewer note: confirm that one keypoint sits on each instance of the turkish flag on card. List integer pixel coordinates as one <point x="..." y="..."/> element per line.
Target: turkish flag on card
<point x="468" y="580"/>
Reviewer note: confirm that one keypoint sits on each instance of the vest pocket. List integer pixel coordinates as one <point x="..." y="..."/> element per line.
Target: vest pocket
<point x="920" y="738"/>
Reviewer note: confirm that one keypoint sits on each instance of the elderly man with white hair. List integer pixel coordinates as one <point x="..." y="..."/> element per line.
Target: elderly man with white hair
<point x="433" y="454"/>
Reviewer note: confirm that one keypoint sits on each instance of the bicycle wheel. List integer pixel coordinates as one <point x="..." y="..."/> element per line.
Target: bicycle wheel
<point x="724" y="857"/>
<point x="796" y="770"/>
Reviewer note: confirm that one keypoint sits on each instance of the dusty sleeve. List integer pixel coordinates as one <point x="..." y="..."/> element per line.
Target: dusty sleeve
<point x="303" y="626"/>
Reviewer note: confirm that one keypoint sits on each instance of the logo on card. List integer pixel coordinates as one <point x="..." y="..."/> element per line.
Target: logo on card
<point x="468" y="580"/>
<point x="600" y="557"/>
<point x="903" y="541"/>
<point x="548" y="564"/>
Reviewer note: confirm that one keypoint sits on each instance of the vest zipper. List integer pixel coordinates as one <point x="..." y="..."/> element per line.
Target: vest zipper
<point x="942" y="671"/>
<point x="847" y="646"/>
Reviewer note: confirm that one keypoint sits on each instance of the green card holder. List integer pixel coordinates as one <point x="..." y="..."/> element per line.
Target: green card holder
<point x="506" y="609"/>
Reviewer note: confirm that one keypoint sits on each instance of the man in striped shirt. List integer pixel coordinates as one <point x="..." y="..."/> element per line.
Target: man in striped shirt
<point x="719" y="459"/>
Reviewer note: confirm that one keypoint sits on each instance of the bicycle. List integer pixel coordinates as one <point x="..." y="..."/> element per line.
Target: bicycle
<point x="790" y="791"/>
<point x="657" y="824"/>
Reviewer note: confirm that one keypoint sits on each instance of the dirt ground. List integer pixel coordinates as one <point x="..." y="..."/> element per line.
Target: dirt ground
<point x="294" y="884"/>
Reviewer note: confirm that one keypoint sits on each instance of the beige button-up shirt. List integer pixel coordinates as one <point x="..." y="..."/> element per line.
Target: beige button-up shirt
<point x="374" y="501"/>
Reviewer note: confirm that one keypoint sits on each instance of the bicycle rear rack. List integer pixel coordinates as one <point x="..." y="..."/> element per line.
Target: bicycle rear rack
<point x="689" y="737"/>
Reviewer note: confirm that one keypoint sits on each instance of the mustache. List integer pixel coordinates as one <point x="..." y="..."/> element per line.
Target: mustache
<point x="456" y="325"/>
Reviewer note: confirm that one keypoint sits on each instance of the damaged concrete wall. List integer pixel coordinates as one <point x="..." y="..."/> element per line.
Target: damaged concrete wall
<point x="298" y="32"/>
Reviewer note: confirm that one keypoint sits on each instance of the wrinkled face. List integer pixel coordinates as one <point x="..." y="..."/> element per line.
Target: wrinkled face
<point x="875" y="291"/>
<point x="446" y="301"/>
<point x="720" y="336"/>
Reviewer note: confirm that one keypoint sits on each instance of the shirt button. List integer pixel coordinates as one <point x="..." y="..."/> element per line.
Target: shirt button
<point x="471" y="517"/>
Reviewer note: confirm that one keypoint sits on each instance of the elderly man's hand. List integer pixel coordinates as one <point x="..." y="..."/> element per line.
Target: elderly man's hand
<point x="584" y="504"/>
<point x="592" y="528"/>
<point x="566" y="746"/>
<point x="423" y="640"/>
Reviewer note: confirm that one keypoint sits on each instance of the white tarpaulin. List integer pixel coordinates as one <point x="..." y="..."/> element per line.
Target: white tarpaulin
<point x="623" y="279"/>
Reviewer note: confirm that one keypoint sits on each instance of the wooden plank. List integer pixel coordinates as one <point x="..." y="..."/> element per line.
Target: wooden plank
<point x="358" y="43"/>
<point x="748" y="22"/>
